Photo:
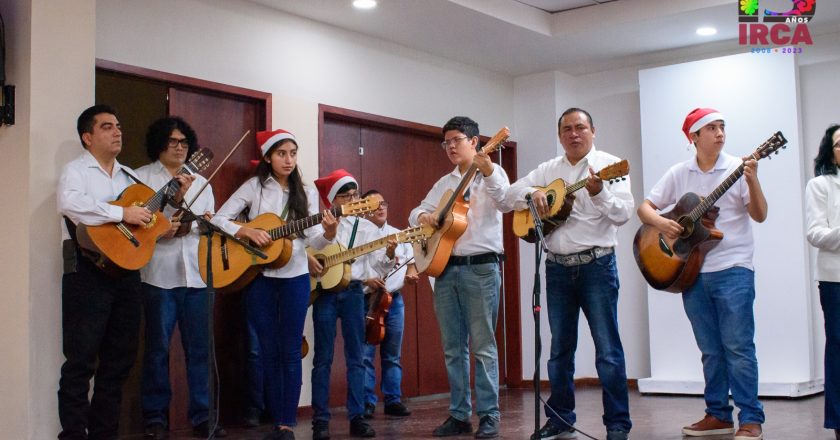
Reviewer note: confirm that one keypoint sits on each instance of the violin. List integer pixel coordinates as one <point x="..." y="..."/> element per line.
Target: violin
<point x="380" y="302"/>
<point x="186" y="220"/>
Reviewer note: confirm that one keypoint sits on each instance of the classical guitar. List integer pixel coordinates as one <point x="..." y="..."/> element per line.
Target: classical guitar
<point x="234" y="267"/>
<point x="557" y="193"/>
<point x="337" y="260"/>
<point x="118" y="247"/>
<point x="673" y="264"/>
<point x="431" y="255"/>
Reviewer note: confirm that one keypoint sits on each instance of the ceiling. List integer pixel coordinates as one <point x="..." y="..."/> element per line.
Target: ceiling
<point x="514" y="38"/>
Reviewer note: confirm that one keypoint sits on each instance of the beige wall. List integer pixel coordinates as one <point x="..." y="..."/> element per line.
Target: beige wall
<point x="51" y="57"/>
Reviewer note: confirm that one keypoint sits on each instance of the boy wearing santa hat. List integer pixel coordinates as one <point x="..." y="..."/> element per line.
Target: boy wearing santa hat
<point x="719" y="304"/>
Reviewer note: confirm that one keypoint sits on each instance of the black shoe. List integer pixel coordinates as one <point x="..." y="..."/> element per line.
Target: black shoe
<point x="488" y="427"/>
<point x="203" y="431"/>
<point x="369" y="409"/>
<point x="452" y="426"/>
<point x="251" y="419"/>
<point x="155" y="431"/>
<point x="397" y="409"/>
<point x="280" y="434"/>
<point x="550" y="432"/>
<point x="360" y="428"/>
<point x="320" y="430"/>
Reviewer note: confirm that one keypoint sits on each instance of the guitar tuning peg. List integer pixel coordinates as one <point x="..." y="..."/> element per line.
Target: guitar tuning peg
<point x="623" y="178"/>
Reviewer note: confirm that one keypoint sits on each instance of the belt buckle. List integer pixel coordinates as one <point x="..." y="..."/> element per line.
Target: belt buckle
<point x="587" y="256"/>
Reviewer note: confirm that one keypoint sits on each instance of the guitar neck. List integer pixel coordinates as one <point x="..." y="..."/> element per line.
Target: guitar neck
<point x="575" y="186"/>
<point x="299" y="225"/>
<point x="350" y="254"/>
<point x="155" y="203"/>
<point x="462" y="186"/>
<point x="712" y="198"/>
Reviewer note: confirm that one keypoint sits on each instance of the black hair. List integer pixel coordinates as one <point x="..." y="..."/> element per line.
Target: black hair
<point x="347" y="187"/>
<point x="824" y="162"/>
<point x="463" y="124"/>
<point x="573" y="110"/>
<point x="371" y="192"/>
<point x="88" y="117"/>
<point x="158" y="134"/>
<point x="298" y="203"/>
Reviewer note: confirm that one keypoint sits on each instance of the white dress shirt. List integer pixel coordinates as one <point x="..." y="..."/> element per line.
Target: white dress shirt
<point x="736" y="248"/>
<point x="272" y="198"/>
<point x="402" y="253"/>
<point x="365" y="233"/>
<point x="822" y="215"/>
<point x="85" y="188"/>
<point x="594" y="220"/>
<point x="175" y="261"/>
<point x="484" y="219"/>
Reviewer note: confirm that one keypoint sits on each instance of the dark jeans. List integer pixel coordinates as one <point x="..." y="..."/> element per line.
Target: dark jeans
<point x="255" y="393"/>
<point x="830" y="300"/>
<point x="593" y="288"/>
<point x="100" y="321"/>
<point x="277" y="311"/>
<point x="349" y="305"/>
<point x="163" y="308"/>
<point x="389" y="352"/>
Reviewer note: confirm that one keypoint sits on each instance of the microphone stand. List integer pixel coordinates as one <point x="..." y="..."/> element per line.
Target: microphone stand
<point x="539" y="247"/>
<point x="208" y="229"/>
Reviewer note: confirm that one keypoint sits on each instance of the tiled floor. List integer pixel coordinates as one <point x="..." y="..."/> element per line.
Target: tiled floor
<point x="654" y="418"/>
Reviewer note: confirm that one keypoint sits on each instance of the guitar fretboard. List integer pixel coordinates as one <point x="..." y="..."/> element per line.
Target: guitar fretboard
<point x="358" y="251"/>
<point x="299" y="225"/>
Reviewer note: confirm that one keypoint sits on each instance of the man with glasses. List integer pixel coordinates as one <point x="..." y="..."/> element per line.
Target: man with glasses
<point x="581" y="274"/>
<point x="338" y="188"/>
<point x="391" y="345"/>
<point x="466" y="294"/>
<point x="173" y="290"/>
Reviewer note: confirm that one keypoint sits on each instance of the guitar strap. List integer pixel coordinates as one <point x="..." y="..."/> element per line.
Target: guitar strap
<point x="353" y="234"/>
<point x="285" y="214"/>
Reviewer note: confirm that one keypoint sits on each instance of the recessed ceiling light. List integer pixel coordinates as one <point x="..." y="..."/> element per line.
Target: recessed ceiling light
<point x="706" y="31"/>
<point x="364" y="4"/>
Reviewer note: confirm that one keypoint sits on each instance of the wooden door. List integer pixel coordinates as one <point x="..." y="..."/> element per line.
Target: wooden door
<point x="403" y="160"/>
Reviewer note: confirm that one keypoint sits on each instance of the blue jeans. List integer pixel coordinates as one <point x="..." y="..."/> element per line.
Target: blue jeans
<point x="255" y="392"/>
<point x="349" y="305"/>
<point x="163" y="308"/>
<point x="719" y="306"/>
<point x="830" y="300"/>
<point x="593" y="288"/>
<point x="276" y="309"/>
<point x="389" y="352"/>
<point x="466" y="303"/>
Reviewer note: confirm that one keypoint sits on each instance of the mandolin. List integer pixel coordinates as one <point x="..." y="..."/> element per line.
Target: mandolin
<point x="119" y="247"/>
<point x="234" y="267"/>
<point x="673" y="264"/>
<point x="336" y="260"/>
<point x="432" y="255"/>
<point x="560" y="199"/>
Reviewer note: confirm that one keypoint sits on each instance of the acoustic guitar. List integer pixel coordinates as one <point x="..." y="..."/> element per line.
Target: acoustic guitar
<point x="672" y="265"/>
<point x="337" y="260"/>
<point x="556" y="194"/>
<point x="431" y="255"/>
<point x="234" y="267"/>
<point x="119" y="247"/>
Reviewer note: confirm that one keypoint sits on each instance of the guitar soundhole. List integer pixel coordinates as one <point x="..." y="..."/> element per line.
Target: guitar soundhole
<point x="688" y="227"/>
<point x="551" y="197"/>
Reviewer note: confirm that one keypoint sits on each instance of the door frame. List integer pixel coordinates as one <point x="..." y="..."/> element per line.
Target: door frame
<point x="512" y="324"/>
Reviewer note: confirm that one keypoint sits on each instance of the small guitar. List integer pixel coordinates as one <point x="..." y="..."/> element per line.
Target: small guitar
<point x="234" y="267"/>
<point x="431" y="255"/>
<point x="673" y="264"/>
<point x="556" y="194"/>
<point x="336" y="260"/>
<point x="119" y="247"/>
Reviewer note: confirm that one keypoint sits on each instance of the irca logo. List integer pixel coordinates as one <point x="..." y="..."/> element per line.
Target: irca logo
<point x="776" y="28"/>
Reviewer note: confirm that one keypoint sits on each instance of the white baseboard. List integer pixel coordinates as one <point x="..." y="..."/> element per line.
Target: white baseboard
<point x="652" y="385"/>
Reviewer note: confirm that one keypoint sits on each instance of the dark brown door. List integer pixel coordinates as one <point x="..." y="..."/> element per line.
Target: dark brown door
<point x="403" y="160"/>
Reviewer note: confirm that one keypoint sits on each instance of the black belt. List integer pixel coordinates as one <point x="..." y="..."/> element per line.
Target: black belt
<point x="490" y="257"/>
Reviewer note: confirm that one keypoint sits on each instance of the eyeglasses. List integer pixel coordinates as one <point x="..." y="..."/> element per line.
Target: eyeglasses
<point x="382" y="205"/>
<point x="348" y="196"/>
<point x="452" y="141"/>
<point x="175" y="142"/>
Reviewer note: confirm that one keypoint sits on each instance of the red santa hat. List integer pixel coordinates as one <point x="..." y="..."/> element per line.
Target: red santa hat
<point x="329" y="185"/>
<point x="698" y="118"/>
<point x="266" y="139"/>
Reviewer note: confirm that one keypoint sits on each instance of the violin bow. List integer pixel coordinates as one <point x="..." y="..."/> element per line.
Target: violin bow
<point x="218" y="168"/>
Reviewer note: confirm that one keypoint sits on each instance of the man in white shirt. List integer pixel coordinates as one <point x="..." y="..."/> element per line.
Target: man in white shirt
<point x="173" y="290"/>
<point x="719" y="304"/>
<point x="100" y="313"/>
<point x="581" y="274"/>
<point x="390" y="347"/>
<point x="467" y="292"/>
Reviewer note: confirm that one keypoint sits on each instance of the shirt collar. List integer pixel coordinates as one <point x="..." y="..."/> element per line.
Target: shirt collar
<point x="590" y="156"/>
<point x="91" y="162"/>
<point x="720" y="164"/>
